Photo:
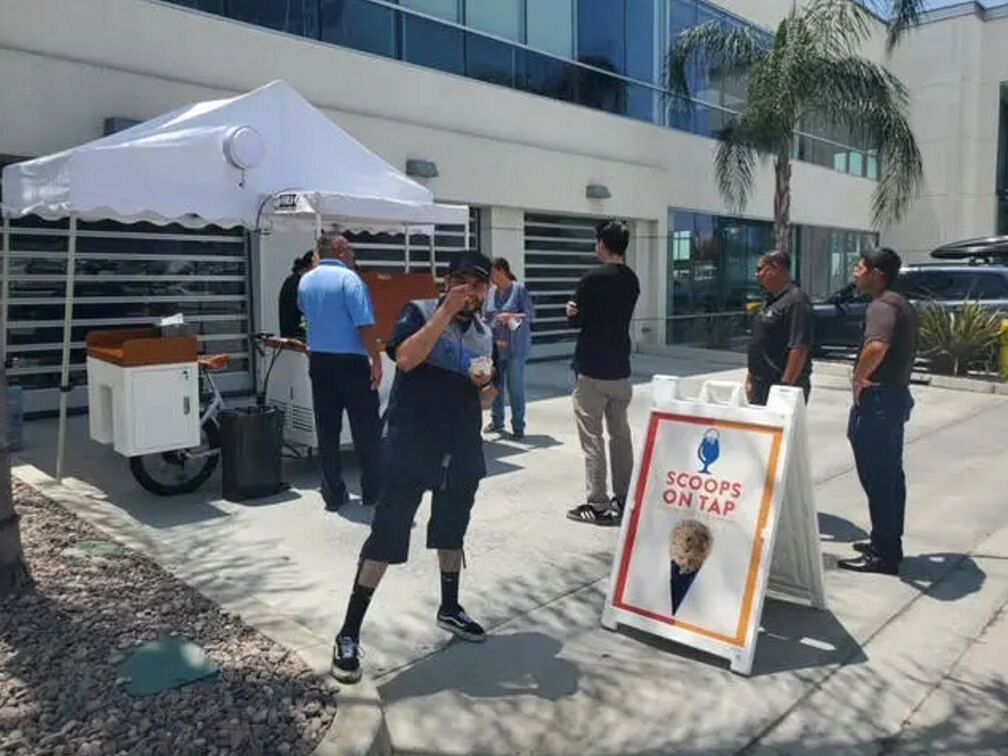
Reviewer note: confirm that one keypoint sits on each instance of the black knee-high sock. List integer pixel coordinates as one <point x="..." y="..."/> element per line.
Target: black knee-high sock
<point x="449" y="590"/>
<point x="357" y="607"/>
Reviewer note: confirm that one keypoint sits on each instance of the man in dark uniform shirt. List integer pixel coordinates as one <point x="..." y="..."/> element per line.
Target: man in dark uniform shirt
<point x="781" y="333"/>
<point x="434" y="444"/>
<point x="289" y="312"/>
<point x="881" y="408"/>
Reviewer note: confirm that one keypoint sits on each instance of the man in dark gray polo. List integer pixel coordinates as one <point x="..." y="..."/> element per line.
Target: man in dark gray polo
<point x="781" y="333"/>
<point x="881" y="408"/>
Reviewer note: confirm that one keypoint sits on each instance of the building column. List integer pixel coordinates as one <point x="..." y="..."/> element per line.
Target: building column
<point x="647" y="258"/>
<point x="502" y="234"/>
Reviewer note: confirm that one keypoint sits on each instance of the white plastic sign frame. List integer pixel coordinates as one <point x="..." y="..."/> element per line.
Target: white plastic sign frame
<point x="743" y="520"/>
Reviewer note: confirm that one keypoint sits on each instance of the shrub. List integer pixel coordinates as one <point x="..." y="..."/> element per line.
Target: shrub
<point x="953" y="340"/>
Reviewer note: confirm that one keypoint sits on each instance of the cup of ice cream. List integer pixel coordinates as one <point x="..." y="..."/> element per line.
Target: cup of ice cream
<point x="690" y="544"/>
<point x="481" y="369"/>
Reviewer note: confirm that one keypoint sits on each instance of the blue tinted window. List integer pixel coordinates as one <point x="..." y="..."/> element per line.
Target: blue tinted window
<point x="502" y="18"/>
<point x="602" y="34"/>
<point x="640" y="40"/>
<point x="433" y="45"/>
<point x="549" y="26"/>
<point x="446" y="9"/>
<point x="210" y="6"/>
<point x="548" y="76"/>
<point x="292" y="16"/>
<point x="359" y="24"/>
<point x="490" y="61"/>
<point x="601" y="91"/>
<point x="641" y="102"/>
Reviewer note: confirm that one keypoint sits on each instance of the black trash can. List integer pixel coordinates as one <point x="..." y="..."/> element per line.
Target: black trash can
<point x="251" y="452"/>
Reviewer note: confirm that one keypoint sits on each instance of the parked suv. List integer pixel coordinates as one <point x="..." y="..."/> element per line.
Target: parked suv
<point x="838" y="319"/>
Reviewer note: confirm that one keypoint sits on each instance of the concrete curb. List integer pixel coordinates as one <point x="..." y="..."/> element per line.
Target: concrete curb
<point x="827" y="368"/>
<point x="358" y="729"/>
<point x="948" y="382"/>
<point x="729" y="359"/>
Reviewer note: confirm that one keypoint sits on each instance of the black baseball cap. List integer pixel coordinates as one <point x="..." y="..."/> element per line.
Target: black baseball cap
<point x="470" y="263"/>
<point x="885" y="260"/>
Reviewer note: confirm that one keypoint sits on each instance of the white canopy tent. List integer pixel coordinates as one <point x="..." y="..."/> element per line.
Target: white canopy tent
<point x="263" y="157"/>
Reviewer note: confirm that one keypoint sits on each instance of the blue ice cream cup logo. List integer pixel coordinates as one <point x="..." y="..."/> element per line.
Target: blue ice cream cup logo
<point x="710" y="450"/>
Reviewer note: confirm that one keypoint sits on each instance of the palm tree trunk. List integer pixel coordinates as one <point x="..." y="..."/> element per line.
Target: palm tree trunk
<point x="14" y="575"/>
<point x="782" y="198"/>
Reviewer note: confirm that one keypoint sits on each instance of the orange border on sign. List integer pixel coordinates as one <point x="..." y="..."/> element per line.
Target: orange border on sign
<point x="757" y="553"/>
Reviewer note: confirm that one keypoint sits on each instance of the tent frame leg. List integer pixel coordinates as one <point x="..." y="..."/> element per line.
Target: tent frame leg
<point x="64" y="387"/>
<point x="406" y="248"/>
<point x="5" y="287"/>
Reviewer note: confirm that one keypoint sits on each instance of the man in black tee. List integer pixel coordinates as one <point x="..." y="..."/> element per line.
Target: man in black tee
<point x="781" y="333"/>
<point x="602" y="309"/>
<point x="881" y="408"/>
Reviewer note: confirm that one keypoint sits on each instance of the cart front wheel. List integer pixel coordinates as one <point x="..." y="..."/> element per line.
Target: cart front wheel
<point x="179" y="472"/>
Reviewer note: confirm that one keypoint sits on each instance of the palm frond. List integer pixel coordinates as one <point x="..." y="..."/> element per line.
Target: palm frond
<point x="729" y="50"/>
<point x="903" y="15"/>
<point x="837" y="27"/>
<point x="740" y="147"/>
<point x="871" y="101"/>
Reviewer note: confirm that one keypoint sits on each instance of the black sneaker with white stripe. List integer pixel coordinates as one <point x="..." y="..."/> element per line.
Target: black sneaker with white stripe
<point x="606" y="516"/>
<point x="461" y="624"/>
<point x="346" y="659"/>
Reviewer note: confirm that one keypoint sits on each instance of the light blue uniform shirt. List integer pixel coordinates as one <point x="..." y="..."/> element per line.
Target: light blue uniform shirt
<point x="336" y="303"/>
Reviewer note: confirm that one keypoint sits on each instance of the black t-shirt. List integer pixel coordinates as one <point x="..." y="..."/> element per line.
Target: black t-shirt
<point x="290" y="315"/>
<point x="784" y="323"/>
<point x="891" y="319"/>
<point x="433" y="413"/>
<point x="606" y="297"/>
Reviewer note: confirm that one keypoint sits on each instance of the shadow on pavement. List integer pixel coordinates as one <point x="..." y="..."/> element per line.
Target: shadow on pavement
<point x="523" y="663"/>
<point x="946" y="577"/>
<point x="839" y="529"/>
<point x="794" y="637"/>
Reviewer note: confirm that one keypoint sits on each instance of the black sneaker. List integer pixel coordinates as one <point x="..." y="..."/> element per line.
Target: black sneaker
<point x="346" y="659"/>
<point x="610" y="517"/>
<point x="491" y="428"/>
<point x="461" y="624"/>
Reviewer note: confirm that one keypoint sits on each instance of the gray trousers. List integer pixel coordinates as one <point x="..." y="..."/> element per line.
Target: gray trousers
<point x="594" y="401"/>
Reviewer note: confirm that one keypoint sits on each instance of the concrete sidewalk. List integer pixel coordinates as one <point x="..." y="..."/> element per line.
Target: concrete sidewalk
<point x="551" y="680"/>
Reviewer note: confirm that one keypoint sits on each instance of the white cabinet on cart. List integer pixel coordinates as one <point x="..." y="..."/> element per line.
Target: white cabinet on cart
<point x="143" y="391"/>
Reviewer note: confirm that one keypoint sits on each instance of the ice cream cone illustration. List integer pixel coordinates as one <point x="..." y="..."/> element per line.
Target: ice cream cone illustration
<point x="690" y="544"/>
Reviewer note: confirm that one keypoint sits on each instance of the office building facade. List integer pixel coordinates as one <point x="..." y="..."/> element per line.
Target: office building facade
<point x="544" y="116"/>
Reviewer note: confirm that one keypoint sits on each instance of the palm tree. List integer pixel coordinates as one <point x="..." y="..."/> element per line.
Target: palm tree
<point x="14" y="575"/>
<point x="810" y="69"/>
<point x="903" y="14"/>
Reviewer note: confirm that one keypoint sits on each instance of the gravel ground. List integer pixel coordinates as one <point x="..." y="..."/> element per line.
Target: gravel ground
<point x="60" y="648"/>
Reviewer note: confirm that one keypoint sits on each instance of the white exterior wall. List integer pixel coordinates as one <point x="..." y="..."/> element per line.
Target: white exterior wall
<point x="954" y="69"/>
<point x="69" y="64"/>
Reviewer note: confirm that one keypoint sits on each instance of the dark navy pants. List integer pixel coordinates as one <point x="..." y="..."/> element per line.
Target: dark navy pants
<point x="875" y="431"/>
<point x="342" y="382"/>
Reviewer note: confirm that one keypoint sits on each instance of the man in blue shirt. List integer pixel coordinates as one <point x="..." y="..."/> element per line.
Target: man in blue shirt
<point x="344" y="364"/>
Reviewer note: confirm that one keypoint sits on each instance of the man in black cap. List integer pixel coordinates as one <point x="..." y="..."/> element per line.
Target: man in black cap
<point x="445" y="360"/>
<point x="881" y="408"/>
<point x="781" y="333"/>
